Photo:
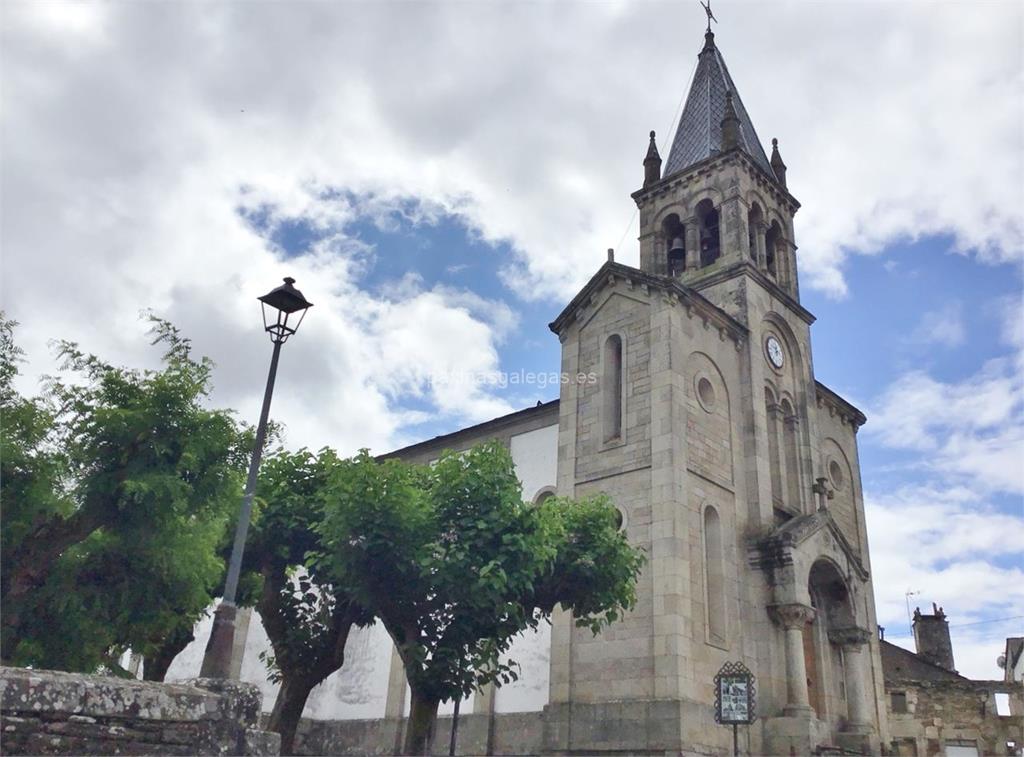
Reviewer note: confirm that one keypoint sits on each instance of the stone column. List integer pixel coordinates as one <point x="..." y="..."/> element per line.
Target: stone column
<point x="394" y="706"/>
<point x="648" y="252"/>
<point x="732" y="229"/>
<point x="793" y="618"/>
<point x="241" y="636"/>
<point x="760" y="229"/>
<point x="852" y="641"/>
<point x="692" y="245"/>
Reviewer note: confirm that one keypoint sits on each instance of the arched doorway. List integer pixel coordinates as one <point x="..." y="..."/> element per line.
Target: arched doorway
<point x="830" y="597"/>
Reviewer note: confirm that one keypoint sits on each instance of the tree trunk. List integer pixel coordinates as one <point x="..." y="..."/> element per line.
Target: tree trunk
<point x="154" y="666"/>
<point x="288" y="707"/>
<point x="30" y="564"/>
<point x="419" y="735"/>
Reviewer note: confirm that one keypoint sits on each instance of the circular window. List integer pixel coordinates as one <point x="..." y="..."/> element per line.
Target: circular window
<point x="835" y="472"/>
<point x="619" y="519"/>
<point x="706" y="393"/>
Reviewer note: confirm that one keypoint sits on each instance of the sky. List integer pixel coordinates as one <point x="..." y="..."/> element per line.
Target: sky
<point x="441" y="178"/>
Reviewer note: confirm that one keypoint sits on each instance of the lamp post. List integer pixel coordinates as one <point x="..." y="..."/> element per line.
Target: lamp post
<point x="279" y="306"/>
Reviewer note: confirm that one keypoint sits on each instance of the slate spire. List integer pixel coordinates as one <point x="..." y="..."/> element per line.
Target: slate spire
<point x="700" y="132"/>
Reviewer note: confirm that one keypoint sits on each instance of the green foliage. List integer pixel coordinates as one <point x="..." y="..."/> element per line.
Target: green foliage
<point x="141" y="442"/>
<point x="306" y="613"/>
<point x="300" y="604"/>
<point x="123" y="487"/>
<point x="33" y="468"/>
<point x="594" y="572"/>
<point x="456" y="564"/>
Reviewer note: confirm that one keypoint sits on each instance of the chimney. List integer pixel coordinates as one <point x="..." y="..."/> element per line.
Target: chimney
<point x="931" y="637"/>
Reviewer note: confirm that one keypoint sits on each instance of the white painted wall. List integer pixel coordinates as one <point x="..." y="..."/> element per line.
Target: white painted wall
<point x="535" y="455"/>
<point x="358" y="690"/>
<point x="530" y="693"/>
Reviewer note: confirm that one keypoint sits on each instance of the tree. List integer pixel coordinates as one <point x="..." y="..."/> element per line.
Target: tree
<point x="306" y="614"/>
<point x="118" y="484"/>
<point x="455" y="565"/>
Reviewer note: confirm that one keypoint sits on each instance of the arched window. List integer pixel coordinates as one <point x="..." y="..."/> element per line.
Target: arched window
<point x="755" y="218"/>
<point x="714" y="575"/>
<point x="710" y="243"/>
<point x="675" y="244"/>
<point x="542" y="496"/>
<point x="774" y="459"/>
<point x="771" y="247"/>
<point x="611" y="388"/>
<point x="790" y="449"/>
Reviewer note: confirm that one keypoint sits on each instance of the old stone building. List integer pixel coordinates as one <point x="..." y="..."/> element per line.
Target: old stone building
<point x="934" y="710"/>
<point x="732" y="466"/>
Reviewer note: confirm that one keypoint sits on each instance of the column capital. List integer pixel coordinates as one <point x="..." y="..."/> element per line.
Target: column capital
<point x="852" y="638"/>
<point x="792" y="615"/>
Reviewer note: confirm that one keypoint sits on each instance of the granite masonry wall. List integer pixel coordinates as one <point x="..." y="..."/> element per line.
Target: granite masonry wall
<point x="47" y="712"/>
<point x="928" y="717"/>
<point x="513" y="733"/>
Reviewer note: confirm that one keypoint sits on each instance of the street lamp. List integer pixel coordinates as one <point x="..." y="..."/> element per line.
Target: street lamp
<point x="280" y="307"/>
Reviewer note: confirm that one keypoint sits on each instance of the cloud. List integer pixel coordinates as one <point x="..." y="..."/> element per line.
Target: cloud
<point x="142" y="139"/>
<point x="944" y="326"/>
<point x="948" y="533"/>
<point x="954" y="549"/>
<point x="534" y="135"/>
<point x="970" y="430"/>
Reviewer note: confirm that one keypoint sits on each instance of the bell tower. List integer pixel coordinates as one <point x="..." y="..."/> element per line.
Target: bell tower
<point x="730" y="465"/>
<point x="720" y="208"/>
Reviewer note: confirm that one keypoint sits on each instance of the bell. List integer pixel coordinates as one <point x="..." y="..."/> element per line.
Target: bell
<point x="677" y="246"/>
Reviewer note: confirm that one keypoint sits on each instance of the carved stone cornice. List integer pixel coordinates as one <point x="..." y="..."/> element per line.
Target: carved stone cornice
<point x="792" y="616"/>
<point x="852" y="637"/>
<point x="776" y="550"/>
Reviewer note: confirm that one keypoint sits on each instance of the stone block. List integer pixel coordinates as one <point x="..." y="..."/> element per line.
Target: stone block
<point x="47" y="712"/>
<point x="794" y="735"/>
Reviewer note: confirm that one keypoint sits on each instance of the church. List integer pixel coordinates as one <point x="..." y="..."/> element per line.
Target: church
<point x="731" y="465"/>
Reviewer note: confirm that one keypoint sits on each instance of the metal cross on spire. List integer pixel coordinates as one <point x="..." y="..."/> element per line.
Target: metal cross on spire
<point x="707" y="9"/>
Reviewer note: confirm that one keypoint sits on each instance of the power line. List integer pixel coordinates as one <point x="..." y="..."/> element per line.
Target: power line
<point x="664" y="143"/>
<point x="983" y="622"/>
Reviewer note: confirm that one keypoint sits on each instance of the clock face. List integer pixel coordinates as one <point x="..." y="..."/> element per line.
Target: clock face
<point x="774" y="349"/>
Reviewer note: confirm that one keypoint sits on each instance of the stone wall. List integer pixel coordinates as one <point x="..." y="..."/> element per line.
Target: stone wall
<point x="927" y="717"/>
<point x="519" y="733"/>
<point x="47" y="712"/>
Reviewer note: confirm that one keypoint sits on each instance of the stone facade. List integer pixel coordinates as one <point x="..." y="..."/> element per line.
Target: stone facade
<point x="933" y="710"/>
<point x="518" y="733"/>
<point x="732" y="466"/>
<point x="735" y="469"/>
<point x="46" y="712"/>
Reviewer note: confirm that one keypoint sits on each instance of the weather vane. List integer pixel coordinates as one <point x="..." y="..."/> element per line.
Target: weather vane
<point x="707" y="9"/>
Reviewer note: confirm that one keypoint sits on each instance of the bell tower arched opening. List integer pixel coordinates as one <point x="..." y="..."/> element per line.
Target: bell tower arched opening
<point x="755" y="220"/>
<point x="710" y="239"/>
<point x="771" y="248"/>
<point x="674" y="233"/>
